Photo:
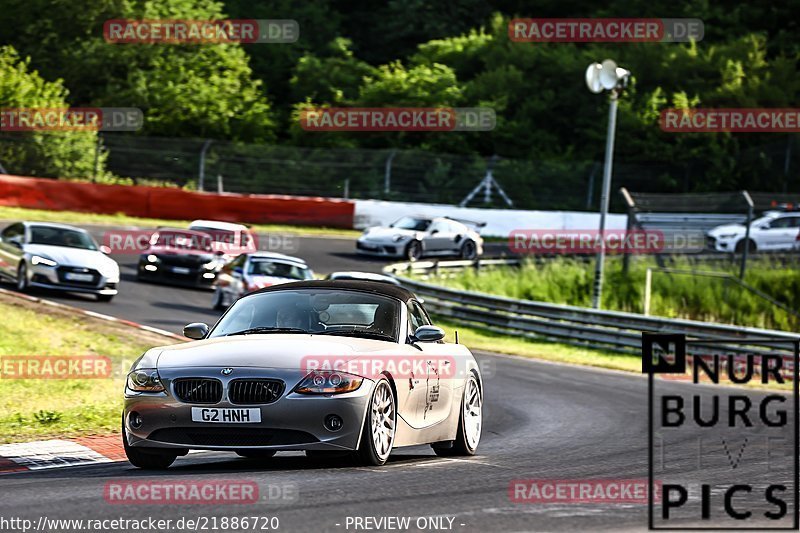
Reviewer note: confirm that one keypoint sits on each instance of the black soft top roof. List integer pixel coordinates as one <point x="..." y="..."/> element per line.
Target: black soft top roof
<point x="376" y="287"/>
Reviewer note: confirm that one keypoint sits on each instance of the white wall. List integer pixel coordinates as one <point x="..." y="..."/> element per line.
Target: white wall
<point x="499" y="222"/>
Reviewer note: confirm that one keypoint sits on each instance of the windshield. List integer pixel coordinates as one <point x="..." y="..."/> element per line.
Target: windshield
<point x="70" y="238"/>
<point x="762" y="220"/>
<point x="317" y="311"/>
<point x="182" y="240"/>
<point x="266" y="267"/>
<point x="416" y="224"/>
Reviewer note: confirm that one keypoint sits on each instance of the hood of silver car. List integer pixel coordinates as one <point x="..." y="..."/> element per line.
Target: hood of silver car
<point x="66" y="256"/>
<point x="268" y="351"/>
<point x="386" y="234"/>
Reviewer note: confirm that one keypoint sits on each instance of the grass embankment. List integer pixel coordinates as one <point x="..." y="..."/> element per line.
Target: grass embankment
<point x="33" y="409"/>
<point x="73" y="217"/>
<point x="567" y="281"/>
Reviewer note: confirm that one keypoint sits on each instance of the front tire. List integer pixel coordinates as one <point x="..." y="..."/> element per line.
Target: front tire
<point x="470" y="422"/>
<point x="218" y="301"/>
<point x="751" y="246"/>
<point x="22" y="277"/>
<point x="147" y="459"/>
<point x="105" y="297"/>
<point x="377" y="437"/>
<point x="414" y="251"/>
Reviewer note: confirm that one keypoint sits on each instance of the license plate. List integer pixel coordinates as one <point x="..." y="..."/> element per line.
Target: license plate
<point x="226" y="416"/>
<point x="180" y="270"/>
<point x="72" y="276"/>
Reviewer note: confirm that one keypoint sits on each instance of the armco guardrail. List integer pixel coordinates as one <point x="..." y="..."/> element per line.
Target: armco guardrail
<point x="610" y="330"/>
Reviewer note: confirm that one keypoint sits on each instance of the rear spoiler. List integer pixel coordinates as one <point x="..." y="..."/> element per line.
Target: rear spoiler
<point x="478" y="225"/>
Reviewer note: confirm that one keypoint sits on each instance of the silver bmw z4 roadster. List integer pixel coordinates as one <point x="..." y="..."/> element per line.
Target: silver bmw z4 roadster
<point x="332" y="368"/>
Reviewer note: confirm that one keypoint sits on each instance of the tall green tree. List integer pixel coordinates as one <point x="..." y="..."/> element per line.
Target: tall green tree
<point x="40" y="153"/>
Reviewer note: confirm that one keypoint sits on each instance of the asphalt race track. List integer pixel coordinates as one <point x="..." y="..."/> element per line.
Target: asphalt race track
<point x="541" y="421"/>
<point x="170" y="308"/>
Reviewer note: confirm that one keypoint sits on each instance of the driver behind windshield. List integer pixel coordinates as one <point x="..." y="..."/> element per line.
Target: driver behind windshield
<point x="294" y="315"/>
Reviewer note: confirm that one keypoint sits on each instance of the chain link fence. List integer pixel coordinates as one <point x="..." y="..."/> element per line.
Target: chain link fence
<point x="400" y="175"/>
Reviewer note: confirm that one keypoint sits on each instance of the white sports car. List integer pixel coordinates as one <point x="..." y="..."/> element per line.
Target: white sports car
<point x="328" y="367"/>
<point x="57" y="256"/>
<point x="417" y="237"/>
<point x="773" y="232"/>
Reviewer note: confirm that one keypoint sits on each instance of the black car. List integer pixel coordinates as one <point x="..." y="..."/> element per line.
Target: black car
<point x="181" y="257"/>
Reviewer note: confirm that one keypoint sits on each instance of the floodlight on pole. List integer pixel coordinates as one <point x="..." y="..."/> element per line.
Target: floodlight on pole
<point x="599" y="77"/>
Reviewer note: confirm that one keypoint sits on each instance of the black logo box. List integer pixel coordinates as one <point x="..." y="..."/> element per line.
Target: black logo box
<point x="673" y="346"/>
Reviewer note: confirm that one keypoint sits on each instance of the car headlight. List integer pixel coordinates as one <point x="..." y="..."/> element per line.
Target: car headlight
<point x="328" y="382"/>
<point x="211" y="265"/>
<point x="145" y="380"/>
<point x="727" y="236"/>
<point x="39" y="260"/>
<point x="152" y="258"/>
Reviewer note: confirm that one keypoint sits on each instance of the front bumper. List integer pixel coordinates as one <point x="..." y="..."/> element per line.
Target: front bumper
<point x="380" y="249"/>
<point x="56" y="278"/>
<point x="195" y="277"/>
<point x="293" y="422"/>
<point x="721" y="245"/>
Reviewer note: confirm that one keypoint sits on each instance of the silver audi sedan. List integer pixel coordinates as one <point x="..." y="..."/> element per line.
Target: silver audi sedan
<point x="350" y="368"/>
<point x="56" y="256"/>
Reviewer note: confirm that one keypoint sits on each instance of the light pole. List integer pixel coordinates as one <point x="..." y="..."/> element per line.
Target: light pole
<point x="612" y="78"/>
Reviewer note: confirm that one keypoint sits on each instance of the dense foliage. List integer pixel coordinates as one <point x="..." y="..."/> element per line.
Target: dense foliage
<point x="422" y="53"/>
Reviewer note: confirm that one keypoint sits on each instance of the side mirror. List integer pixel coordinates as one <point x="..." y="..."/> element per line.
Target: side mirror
<point x="239" y="271"/>
<point x="428" y="334"/>
<point x="434" y="232"/>
<point x="15" y="241"/>
<point x="105" y="249"/>
<point x="195" y="330"/>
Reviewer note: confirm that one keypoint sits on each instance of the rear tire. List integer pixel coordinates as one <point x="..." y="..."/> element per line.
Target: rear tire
<point x="147" y="458"/>
<point x="377" y="436"/>
<point x="470" y="423"/>
<point x="469" y="250"/>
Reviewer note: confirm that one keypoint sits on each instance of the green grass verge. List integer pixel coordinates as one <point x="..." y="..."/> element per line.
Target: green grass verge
<point x="73" y="217"/>
<point x="33" y="409"/>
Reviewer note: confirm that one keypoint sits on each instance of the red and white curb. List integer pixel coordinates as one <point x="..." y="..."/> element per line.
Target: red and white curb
<point x="59" y="453"/>
<point x="81" y="451"/>
<point x="79" y="311"/>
